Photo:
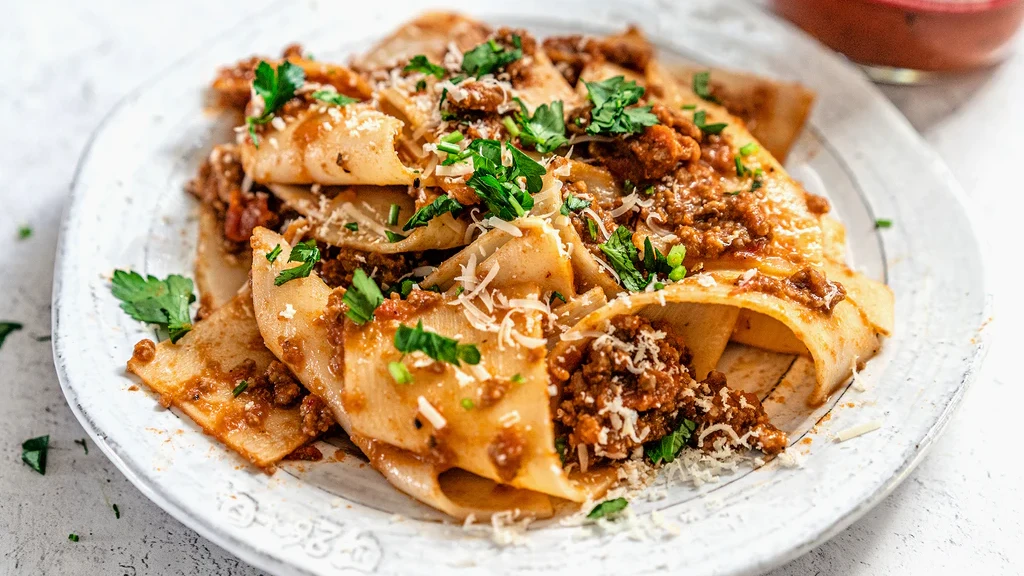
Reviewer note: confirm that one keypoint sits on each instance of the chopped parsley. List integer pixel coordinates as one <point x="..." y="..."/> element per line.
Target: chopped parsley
<point x="275" y="87"/>
<point x="399" y="373"/>
<point x="440" y="348"/>
<point x="273" y="254"/>
<point x="668" y="447"/>
<point x="557" y="296"/>
<point x="393" y="236"/>
<point x="500" y="186"/>
<point x="657" y="263"/>
<point x="608" y="507"/>
<point x="362" y="298"/>
<point x="700" y="119"/>
<point x="545" y="130"/>
<point x="622" y="255"/>
<point x="517" y="378"/>
<point x="83" y="445"/>
<point x="702" y="86"/>
<point x="6" y="328"/>
<point x="162" y="302"/>
<point x="393" y="213"/>
<point x="33" y="453"/>
<point x="73" y="537"/>
<point x="353" y="226"/>
<point x="420" y="63"/>
<point x="467" y="404"/>
<point x="592" y="228"/>
<point x="560" y="447"/>
<point x="880" y="223"/>
<point x="610" y="114"/>
<point x="24" y="232"/>
<point x="573" y="204"/>
<point x="117" y="511"/>
<point x="240" y="388"/>
<point x="333" y="97"/>
<point x="748" y="149"/>
<point x="440" y="205"/>
<point x="307" y="254"/>
<point x="491" y="56"/>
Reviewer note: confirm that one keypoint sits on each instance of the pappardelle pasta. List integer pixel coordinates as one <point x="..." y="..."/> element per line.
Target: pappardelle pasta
<point x="507" y="268"/>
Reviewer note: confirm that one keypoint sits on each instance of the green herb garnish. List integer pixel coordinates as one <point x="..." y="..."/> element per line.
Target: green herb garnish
<point x="307" y="254"/>
<point x="560" y="447"/>
<point x="33" y="453"/>
<point x="362" y="297"/>
<point x="467" y="404"/>
<point x="419" y="63"/>
<point x="161" y="302"/>
<point x="393" y="236"/>
<point x="117" y="511"/>
<point x="440" y="348"/>
<point x="573" y="204"/>
<point x="83" y="445"/>
<point x="702" y="86"/>
<point x="24" y="232"/>
<point x="557" y="296"/>
<point x="335" y="98"/>
<point x="622" y="255"/>
<point x="73" y="537"/>
<point x="880" y="223"/>
<point x="353" y="226"/>
<point x="608" y="507"/>
<point x="440" y="205"/>
<point x="500" y="186"/>
<point x="748" y="149"/>
<point x="517" y="378"/>
<point x="399" y="373"/>
<point x="491" y="56"/>
<point x="275" y="87"/>
<point x="393" y="214"/>
<point x="545" y="130"/>
<point x="6" y="328"/>
<point x="240" y="388"/>
<point x="610" y="114"/>
<point x="592" y="228"/>
<point x="666" y="449"/>
<point x="273" y="254"/>
<point x="700" y="121"/>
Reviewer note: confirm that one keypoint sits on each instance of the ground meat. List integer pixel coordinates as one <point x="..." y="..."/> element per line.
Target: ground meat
<point x="521" y="71"/>
<point x="334" y="316"/>
<point x="741" y="411"/>
<point x="457" y="188"/>
<point x="807" y="286"/>
<point x="506" y="452"/>
<point x="219" y="184"/>
<point x="649" y="156"/>
<point x="493" y="391"/>
<point x="308" y="453"/>
<point x="316" y="416"/>
<point x="817" y="205"/>
<point x="339" y="264"/>
<point x="570" y="54"/>
<point x="415" y="304"/>
<point x="478" y="97"/>
<point x="144" y="351"/>
<point x="612" y="410"/>
<point x="637" y="386"/>
<point x="275" y="384"/>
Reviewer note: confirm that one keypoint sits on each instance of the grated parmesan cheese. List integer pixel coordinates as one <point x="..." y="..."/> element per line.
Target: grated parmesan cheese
<point x="288" y="313"/>
<point x="859" y="430"/>
<point x="431" y="414"/>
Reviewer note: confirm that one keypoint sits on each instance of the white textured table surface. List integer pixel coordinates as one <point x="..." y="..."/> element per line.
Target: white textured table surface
<point x="69" y="62"/>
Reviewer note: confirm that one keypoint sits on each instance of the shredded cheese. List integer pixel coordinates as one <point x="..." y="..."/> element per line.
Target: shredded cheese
<point x="858" y="430"/>
<point x="431" y="414"/>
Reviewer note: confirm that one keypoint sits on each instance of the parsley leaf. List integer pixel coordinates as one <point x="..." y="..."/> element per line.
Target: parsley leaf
<point x="573" y="204"/>
<point x="273" y="254"/>
<point x="622" y="255"/>
<point x="490" y="56"/>
<point x="560" y="447"/>
<point x="24" y="232"/>
<point x="275" y="87"/>
<point x="610" y="114"/>
<point x="700" y="120"/>
<point x="6" y="328"/>
<point x="33" y="453"/>
<point x="362" y="297"/>
<point x="498" y="185"/>
<point x="305" y="252"/>
<point x="393" y="236"/>
<point x="545" y="130"/>
<point x="608" y="507"/>
<point x="352" y="226"/>
<point x="702" y="86"/>
<point x="420" y="63"/>
<point x="332" y="97"/>
<point x="161" y="302"/>
<point x="73" y="537"/>
<point x="440" y="205"/>
<point x="438" y="347"/>
<point x="666" y="449"/>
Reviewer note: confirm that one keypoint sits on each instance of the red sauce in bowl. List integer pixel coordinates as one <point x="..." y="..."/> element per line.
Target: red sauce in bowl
<point x="925" y="35"/>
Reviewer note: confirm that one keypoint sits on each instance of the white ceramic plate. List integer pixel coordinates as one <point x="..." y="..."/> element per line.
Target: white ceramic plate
<point x="128" y="211"/>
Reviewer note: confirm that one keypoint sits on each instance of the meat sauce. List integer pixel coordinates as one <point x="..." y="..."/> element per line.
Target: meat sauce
<point x="636" y="385"/>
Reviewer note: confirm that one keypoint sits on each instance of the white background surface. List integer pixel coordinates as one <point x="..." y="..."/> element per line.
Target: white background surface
<point x="67" y="63"/>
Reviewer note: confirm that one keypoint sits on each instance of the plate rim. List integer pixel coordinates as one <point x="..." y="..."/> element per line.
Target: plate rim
<point x="263" y="560"/>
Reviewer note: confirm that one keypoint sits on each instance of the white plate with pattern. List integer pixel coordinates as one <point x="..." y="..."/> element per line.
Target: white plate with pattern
<point x="128" y="211"/>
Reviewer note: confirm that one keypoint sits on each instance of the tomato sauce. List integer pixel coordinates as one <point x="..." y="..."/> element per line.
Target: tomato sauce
<point x="924" y="35"/>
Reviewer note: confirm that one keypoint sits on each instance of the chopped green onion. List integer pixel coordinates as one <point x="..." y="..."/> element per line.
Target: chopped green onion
<point x="240" y="388"/>
<point x="393" y="215"/>
<point x="399" y="372"/>
<point x="467" y="404"/>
